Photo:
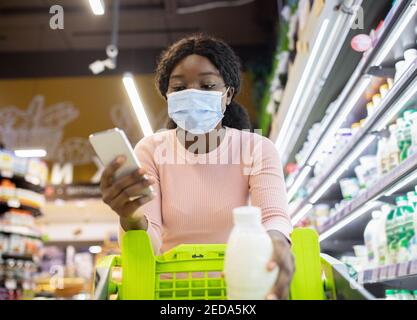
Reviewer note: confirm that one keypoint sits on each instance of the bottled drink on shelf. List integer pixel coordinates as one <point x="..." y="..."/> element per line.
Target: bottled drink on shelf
<point x="391" y="237"/>
<point x="382" y="157"/>
<point x="393" y="150"/>
<point x="370" y="236"/>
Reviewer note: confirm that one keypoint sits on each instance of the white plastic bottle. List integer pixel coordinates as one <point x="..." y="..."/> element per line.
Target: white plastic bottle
<point x="370" y="237"/>
<point x="413" y="149"/>
<point x="382" y="157"/>
<point x="249" y="249"/>
<point x="381" y="236"/>
<point x="394" y="150"/>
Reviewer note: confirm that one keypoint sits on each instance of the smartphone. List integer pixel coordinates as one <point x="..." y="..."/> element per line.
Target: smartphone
<point x="112" y="143"/>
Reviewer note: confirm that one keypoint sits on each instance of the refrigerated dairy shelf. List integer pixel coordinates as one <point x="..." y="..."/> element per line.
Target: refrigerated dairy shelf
<point x="5" y="207"/>
<point x="20" y="230"/>
<point x="11" y="256"/>
<point x="23" y="182"/>
<point x="375" y="57"/>
<point x="393" y="181"/>
<point x="390" y="106"/>
<point x="399" y="272"/>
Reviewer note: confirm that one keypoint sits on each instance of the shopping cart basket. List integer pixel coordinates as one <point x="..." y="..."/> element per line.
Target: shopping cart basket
<point x="193" y="272"/>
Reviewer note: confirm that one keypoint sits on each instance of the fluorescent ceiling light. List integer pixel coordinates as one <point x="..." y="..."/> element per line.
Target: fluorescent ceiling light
<point x="283" y="137"/>
<point x="30" y="153"/>
<point x="97" y="6"/>
<point x="94" y="249"/>
<point x="323" y="60"/>
<point x="353" y="216"/>
<point x="396" y="33"/>
<point x="301" y="214"/>
<point x="401" y="184"/>
<point x="342" y="168"/>
<point x="137" y="104"/>
<point x="298" y="181"/>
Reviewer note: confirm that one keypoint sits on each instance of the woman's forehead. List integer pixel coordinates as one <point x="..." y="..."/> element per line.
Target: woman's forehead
<point x="194" y="65"/>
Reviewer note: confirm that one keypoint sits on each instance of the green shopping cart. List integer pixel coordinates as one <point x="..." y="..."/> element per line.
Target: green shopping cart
<point x="193" y="272"/>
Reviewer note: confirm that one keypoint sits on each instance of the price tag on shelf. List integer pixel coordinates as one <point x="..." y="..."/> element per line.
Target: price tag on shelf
<point x="392" y="271"/>
<point x="383" y="273"/>
<point x="375" y="275"/>
<point x="367" y="276"/>
<point x="403" y="269"/>
<point x="361" y="277"/>
<point x="413" y="267"/>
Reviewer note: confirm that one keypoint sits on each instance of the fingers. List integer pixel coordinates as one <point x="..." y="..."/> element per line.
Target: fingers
<point x="107" y="176"/>
<point x="282" y="285"/>
<point x="284" y="259"/>
<point x="271" y="265"/>
<point x="130" y="186"/>
<point x="131" y="206"/>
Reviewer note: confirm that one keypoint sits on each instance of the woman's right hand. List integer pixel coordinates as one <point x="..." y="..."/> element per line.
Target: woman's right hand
<point x="117" y="193"/>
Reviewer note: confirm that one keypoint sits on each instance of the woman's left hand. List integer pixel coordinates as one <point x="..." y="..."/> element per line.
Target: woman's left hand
<point x="283" y="258"/>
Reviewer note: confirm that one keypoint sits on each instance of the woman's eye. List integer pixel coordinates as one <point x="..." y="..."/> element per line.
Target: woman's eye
<point x="178" y="88"/>
<point x="208" y="86"/>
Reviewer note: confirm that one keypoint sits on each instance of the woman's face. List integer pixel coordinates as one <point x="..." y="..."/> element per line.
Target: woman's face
<point x="197" y="72"/>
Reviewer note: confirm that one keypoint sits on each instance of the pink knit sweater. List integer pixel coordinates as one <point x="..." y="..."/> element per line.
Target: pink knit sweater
<point x="196" y="193"/>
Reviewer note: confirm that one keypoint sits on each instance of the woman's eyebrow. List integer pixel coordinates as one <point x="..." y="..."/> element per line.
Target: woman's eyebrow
<point x="209" y="73"/>
<point x="176" y="76"/>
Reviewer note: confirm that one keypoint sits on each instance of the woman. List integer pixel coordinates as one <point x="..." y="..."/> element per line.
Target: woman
<point x="206" y="164"/>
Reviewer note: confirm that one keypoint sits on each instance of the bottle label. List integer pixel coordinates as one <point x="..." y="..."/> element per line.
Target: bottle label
<point x="394" y="160"/>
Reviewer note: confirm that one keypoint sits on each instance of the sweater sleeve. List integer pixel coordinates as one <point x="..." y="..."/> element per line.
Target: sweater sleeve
<point x="144" y="151"/>
<point x="267" y="187"/>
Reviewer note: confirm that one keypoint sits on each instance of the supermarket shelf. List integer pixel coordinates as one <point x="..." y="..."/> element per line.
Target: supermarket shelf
<point x="8" y="256"/>
<point x="22" y="182"/>
<point x="401" y="275"/>
<point x="364" y="137"/>
<point x="357" y="213"/>
<point x="20" y="230"/>
<point x="353" y="83"/>
<point x="5" y="207"/>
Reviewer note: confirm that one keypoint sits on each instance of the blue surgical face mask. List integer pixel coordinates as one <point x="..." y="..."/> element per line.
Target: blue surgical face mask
<point x="196" y="111"/>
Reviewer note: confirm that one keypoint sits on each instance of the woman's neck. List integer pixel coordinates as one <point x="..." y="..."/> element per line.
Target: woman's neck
<point x="202" y="143"/>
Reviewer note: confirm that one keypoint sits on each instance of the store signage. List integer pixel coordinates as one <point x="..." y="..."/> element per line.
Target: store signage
<point x="72" y="191"/>
<point x="64" y="174"/>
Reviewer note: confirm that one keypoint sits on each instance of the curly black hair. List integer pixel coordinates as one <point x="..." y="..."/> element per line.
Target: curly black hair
<point x="223" y="58"/>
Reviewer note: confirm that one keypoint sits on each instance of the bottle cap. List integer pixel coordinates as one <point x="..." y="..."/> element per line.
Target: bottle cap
<point x="392" y="127"/>
<point x="376" y="214"/>
<point x="384" y="87"/>
<point x="400" y="199"/>
<point x="411" y="194"/>
<point x="247" y="215"/>
<point x="386" y="208"/>
<point x="408" y="113"/>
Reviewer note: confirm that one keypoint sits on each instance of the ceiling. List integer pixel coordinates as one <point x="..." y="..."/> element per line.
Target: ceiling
<point x="36" y="61"/>
<point x="146" y="27"/>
